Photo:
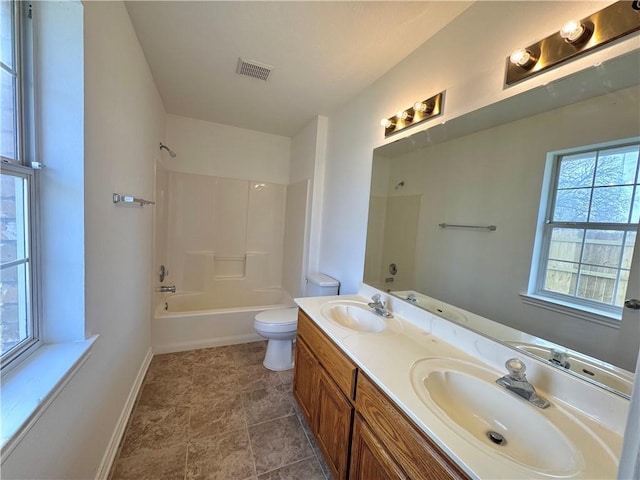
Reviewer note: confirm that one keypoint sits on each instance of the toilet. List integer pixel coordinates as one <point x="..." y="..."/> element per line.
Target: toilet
<point x="280" y="326"/>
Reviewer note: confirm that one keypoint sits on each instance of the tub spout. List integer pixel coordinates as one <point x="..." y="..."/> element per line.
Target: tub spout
<point x="166" y="289"/>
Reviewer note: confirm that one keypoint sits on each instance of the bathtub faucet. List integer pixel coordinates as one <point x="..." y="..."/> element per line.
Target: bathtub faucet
<point x="166" y="289"/>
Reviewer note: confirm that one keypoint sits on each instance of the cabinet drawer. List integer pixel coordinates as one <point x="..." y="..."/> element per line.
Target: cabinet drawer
<point x="411" y="449"/>
<point x="342" y="370"/>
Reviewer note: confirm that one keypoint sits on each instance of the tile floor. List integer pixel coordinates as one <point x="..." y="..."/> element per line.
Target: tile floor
<point x="217" y="413"/>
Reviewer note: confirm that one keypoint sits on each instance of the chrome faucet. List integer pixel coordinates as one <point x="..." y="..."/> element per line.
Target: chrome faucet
<point x="166" y="289"/>
<point x="516" y="381"/>
<point x="378" y="306"/>
<point x="412" y="298"/>
<point x="560" y="358"/>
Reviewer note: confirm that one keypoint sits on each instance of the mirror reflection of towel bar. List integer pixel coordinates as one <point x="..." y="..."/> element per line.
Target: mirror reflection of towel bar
<point x="130" y="199"/>
<point x="483" y="227"/>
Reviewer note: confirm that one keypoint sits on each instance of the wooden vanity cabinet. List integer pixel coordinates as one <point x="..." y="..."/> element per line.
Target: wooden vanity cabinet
<point x="361" y="433"/>
<point x="324" y="385"/>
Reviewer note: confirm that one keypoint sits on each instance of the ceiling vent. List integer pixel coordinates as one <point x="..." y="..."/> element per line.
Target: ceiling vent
<point x="253" y="69"/>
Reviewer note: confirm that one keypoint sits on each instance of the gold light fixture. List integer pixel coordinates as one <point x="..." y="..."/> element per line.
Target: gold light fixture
<point x="576" y="37"/>
<point x="419" y="112"/>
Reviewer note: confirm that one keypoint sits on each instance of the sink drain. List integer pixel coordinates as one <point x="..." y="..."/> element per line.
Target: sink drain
<point x="496" y="438"/>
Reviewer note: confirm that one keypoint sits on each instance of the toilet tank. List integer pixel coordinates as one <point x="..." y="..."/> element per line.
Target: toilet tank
<point x="320" y="285"/>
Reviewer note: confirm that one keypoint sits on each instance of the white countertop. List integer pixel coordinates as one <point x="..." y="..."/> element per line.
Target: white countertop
<point x="387" y="357"/>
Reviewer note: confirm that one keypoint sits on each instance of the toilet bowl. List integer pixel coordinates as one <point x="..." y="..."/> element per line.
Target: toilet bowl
<point x="279" y="327"/>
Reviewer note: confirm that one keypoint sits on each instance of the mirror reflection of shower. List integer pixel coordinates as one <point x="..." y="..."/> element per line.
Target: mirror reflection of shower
<point x="171" y="152"/>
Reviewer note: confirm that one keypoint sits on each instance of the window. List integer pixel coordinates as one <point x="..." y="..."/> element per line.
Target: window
<point x="590" y="228"/>
<point x="18" y="190"/>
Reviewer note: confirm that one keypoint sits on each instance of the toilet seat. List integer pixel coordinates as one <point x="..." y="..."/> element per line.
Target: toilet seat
<point x="279" y="320"/>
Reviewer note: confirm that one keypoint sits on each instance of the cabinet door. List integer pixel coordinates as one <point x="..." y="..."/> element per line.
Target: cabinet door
<point x="419" y="456"/>
<point x="305" y="382"/>
<point x="333" y="433"/>
<point x="369" y="459"/>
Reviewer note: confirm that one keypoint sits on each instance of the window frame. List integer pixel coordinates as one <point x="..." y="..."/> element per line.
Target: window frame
<point x="24" y="166"/>
<point x="582" y="307"/>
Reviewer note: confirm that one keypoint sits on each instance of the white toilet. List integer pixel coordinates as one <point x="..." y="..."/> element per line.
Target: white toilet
<point x="279" y="326"/>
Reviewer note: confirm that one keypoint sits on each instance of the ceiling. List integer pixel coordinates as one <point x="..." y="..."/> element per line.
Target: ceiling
<point x="323" y="53"/>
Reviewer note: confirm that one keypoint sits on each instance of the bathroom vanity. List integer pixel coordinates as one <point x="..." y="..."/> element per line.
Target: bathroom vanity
<point x="343" y="407"/>
<point x="414" y="396"/>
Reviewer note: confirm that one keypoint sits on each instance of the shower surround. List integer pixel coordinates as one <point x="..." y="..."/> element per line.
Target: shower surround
<point x="224" y="234"/>
<point x="222" y="241"/>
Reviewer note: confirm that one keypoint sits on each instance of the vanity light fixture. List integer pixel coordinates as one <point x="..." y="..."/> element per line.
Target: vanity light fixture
<point x="576" y="37"/>
<point x="419" y="112"/>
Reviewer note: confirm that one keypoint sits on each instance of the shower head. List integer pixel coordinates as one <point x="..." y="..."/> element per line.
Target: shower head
<point x="171" y="152"/>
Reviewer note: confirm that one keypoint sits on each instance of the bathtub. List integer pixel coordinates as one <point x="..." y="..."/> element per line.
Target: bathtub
<point x="190" y="320"/>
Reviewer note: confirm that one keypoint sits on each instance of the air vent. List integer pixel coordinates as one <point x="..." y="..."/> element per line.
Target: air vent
<point x="253" y="69"/>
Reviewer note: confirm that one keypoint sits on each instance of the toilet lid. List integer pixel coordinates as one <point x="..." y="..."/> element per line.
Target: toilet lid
<point x="279" y="316"/>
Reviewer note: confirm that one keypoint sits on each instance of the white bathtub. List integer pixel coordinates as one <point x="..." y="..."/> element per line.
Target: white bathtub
<point x="190" y="320"/>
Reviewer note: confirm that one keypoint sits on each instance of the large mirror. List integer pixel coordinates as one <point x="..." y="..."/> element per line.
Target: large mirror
<point x="491" y="167"/>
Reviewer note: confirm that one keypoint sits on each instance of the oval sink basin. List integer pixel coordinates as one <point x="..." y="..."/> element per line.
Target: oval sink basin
<point x="467" y="399"/>
<point x="354" y="316"/>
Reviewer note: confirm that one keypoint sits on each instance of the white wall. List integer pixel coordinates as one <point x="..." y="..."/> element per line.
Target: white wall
<point x="224" y="151"/>
<point x="124" y="121"/>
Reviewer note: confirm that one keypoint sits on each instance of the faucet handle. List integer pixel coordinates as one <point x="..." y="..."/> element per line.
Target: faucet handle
<point x="376" y="298"/>
<point x="516" y="368"/>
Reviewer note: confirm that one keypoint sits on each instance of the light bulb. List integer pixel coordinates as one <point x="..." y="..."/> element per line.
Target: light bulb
<point x="523" y="58"/>
<point x="573" y="31"/>
<point x="387" y="123"/>
<point x="420" y="106"/>
<point x="402" y="115"/>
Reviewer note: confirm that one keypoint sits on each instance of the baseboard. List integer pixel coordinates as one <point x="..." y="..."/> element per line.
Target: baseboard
<point x="116" y="437"/>
<point x="206" y="343"/>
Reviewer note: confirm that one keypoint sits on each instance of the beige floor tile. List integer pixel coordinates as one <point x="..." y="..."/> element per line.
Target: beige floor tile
<point x="278" y="443"/>
<point x="286" y="376"/>
<point x="256" y="377"/>
<point x="266" y="404"/>
<point x="307" y="469"/>
<point x="225" y="457"/>
<point x="154" y="428"/>
<point x="212" y="385"/>
<point x="192" y="416"/>
<point x="165" y="392"/>
<point x="207" y="358"/>
<point x="170" y="365"/>
<point x="165" y="464"/>
<point x="221" y="415"/>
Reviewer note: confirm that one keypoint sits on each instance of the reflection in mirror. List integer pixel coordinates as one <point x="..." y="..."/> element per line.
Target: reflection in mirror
<point x="550" y="290"/>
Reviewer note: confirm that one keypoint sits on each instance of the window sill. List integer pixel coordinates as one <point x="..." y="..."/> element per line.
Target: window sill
<point x="589" y="314"/>
<point x="29" y="389"/>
